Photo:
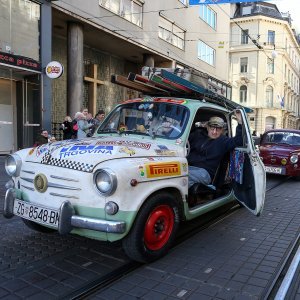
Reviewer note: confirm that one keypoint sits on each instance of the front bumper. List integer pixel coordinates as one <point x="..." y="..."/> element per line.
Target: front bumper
<point x="68" y="220"/>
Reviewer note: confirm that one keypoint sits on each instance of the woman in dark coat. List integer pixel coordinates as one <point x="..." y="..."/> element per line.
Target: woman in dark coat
<point x="67" y="128"/>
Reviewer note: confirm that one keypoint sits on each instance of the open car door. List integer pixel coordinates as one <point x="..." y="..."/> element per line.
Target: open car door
<point x="249" y="180"/>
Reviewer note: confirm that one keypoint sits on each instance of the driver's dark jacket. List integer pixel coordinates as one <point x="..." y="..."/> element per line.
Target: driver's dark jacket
<point x="207" y="153"/>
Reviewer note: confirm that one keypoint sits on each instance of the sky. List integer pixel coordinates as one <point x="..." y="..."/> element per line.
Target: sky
<point x="292" y="6"/>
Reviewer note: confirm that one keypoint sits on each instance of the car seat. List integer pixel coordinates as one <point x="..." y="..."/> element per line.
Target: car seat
<point x="215" y="188"/>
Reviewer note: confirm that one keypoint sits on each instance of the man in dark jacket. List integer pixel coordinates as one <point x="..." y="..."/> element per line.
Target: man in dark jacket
<point x="42" y="138"/>
<point x="208" y="149"/>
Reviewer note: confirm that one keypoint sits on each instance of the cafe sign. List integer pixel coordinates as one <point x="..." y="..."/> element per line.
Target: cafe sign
<point x="21" y="62"/>
<point x="54" y="69"/>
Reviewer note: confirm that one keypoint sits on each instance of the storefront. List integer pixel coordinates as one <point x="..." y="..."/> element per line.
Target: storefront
<point x="20" y="74"/>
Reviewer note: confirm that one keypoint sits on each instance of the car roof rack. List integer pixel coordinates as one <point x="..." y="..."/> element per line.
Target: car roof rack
<point x="174" y="82"/>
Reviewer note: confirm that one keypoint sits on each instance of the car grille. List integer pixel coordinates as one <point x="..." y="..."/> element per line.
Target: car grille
<point x="48" y="180"/>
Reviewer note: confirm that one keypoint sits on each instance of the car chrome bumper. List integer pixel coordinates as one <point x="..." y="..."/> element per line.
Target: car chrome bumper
<point x="68" y="220"/>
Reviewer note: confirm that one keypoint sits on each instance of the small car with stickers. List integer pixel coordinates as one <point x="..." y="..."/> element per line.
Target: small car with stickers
<point x="280" y="150"/>
<point x="129" y="181"/>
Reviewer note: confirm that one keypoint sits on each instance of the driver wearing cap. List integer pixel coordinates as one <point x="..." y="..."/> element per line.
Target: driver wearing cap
<point x="208" y="149"/>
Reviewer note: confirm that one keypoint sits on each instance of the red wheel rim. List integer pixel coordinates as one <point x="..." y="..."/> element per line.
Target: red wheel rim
<point x="159" y="227"/>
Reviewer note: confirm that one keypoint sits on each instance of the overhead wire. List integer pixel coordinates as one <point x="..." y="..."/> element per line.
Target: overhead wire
<point x="139" y="13"/>
<point x="257" y="44"/>
<point x="134" y="37"/>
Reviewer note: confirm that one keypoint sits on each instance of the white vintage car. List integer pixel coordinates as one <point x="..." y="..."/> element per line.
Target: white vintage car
<point x="129" y="181"/>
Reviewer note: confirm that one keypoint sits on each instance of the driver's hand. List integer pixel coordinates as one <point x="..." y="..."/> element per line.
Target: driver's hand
<point x="238" y="115"/>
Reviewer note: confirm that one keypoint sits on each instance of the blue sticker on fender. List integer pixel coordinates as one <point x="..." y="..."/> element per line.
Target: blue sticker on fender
<point x="82" y="149"/>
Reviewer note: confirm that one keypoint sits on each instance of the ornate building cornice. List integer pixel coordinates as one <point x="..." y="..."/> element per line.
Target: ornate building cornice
<point x="269" y="80"/>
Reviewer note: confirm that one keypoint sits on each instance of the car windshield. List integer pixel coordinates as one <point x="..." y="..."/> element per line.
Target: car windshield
<point x="156" y="119"/>
<point x="290" y="138"/>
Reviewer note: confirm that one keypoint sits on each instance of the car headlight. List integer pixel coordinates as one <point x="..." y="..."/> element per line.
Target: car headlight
<point x="13" y="165"/>
<point x="105" y="181"/>
<point x="294" y="158"/>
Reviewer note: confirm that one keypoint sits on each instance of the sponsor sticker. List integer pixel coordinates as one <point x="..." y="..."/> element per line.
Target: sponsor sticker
<point x="163" y="169"/>
<point x="31" y="151"/>
<point x="141" y="171"/>
<point x="83" y="149"/>
<point x="127" y="150"/>
<point x="41" y="149"/>
<point x="134" y="144"/>
<point x="164" y="150"/>
<point x="185" y="167"/>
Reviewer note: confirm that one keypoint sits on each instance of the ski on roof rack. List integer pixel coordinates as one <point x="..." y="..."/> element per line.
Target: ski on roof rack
<point x="162" y="82"/>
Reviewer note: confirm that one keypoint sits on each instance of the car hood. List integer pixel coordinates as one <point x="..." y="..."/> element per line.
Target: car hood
<point x="91" y="151"/>
<point x="278" y="149"/>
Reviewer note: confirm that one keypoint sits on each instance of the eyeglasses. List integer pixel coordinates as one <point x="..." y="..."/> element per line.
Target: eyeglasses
<point x="215" y="128"/>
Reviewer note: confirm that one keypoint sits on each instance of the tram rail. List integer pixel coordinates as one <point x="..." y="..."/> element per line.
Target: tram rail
<point x="184" y="234"/>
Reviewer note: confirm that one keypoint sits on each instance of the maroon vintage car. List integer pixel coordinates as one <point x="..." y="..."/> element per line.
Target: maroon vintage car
<point x="280" y="152"/>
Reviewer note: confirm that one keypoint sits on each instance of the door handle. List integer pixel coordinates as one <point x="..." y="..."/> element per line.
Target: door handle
<point x="31" y="125"/>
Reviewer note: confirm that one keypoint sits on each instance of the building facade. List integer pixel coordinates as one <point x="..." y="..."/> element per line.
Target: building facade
<point x="265" y="65"/>
<point x="23" y="111"/>
<point x="93" y="40"/>
<point x="121" y="36"/>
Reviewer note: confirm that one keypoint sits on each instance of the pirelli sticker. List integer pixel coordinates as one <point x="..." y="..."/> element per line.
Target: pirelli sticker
<point x="163" y="169"/>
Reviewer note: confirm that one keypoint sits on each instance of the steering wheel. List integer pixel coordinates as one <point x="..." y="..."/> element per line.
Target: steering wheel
<point x="167" y="127"/>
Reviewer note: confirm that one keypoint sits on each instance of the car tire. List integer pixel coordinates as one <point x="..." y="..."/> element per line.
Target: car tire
<point x="154" y="229"/>
<point x="37" y="227"/>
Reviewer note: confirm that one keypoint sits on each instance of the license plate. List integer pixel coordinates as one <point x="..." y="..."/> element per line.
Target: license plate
<point x="273" y="170"/>
<point x="36" y="213"/>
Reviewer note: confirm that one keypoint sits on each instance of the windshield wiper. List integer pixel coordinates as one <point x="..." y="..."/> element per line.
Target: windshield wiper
<point x="132" y="132"/>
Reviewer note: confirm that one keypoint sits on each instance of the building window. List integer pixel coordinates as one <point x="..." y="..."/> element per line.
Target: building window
<point x="208" y="15"/>
<point x="270" y="123"/>
<point x="171" y="33"/>
<point x="246" y="10"/>
<point x="269" y="96"/>
<point x="244" y="64"/>
<point x="131" y="10"/>
<point x="270" y="66"/>
<point x="206" y="53"/>
<point x="285" y="68"/>
<point x="271" y="37"/>
<point x="243" y="94"/>
<point x="245" y="36"/>
<point x="16" y="39"/>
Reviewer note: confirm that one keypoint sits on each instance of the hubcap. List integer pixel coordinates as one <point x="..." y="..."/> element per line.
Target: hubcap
<point x="159" y="227"/>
